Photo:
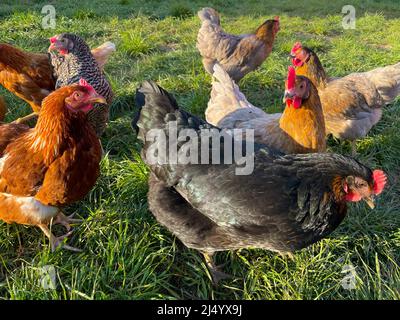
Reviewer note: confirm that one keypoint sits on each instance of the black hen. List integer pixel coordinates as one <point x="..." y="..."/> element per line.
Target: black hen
<point x="287" y="203"/>
<point x="75" y="61"/>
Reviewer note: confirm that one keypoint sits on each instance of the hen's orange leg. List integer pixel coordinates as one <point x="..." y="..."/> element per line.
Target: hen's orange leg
<point x="27" y="118"/>
<point x="56" y="242"/>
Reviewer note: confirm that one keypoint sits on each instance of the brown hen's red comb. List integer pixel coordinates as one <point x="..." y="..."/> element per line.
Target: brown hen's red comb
<point x="296" y="47"/>
<point x="379" y="181"/>
<point x="84" y="83"/>
<point x="276" y="18"/>
<point x="291" y="78"/>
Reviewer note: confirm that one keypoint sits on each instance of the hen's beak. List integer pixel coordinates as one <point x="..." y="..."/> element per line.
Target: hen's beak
<point x="289" y="94"/>
<point x="291" y="56"/>
<point x="96" y="98"/>
<point x="370" y="201"/>
<point x="53" y="43"/>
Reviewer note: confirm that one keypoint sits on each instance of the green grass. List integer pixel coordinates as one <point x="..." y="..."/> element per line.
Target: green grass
<point x="127" y="255"/>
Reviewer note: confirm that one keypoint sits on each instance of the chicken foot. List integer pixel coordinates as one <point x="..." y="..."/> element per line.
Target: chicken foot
<point x="287" y="255"/>
<point x="216" y="274"/>
<point x="66" y="221"/>
<point x="26" y="118"/>
<point x="56" y="242"/>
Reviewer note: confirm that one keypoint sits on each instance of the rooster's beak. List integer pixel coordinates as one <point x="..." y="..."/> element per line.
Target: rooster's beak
<point x="370" y="201"/>
<point x="96" y="98"/>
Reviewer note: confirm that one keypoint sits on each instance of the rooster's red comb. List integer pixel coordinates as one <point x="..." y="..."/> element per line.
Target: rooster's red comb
<point x="84" y="83"/>
<point x="379" y="181"/>
<point x="53" y="39"/>
<point x="296" y="47"/>
<point x="291" y="78"/>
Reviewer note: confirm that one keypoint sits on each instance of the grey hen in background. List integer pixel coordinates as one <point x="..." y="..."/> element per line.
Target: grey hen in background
<point x="237" y="54"/>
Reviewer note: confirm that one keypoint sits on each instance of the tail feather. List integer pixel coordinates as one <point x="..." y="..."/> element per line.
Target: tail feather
<point x="210" y="15"/>
<point x="103" y="53"/>
<point x="226" y="97"/>
<point x="387" y="82"/>
<point x="154" y="104"/>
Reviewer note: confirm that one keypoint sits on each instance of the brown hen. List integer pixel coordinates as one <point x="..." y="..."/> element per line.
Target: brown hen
<point x="52" y="165"/>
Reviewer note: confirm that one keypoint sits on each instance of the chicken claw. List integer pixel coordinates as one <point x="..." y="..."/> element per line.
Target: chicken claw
<point x="287" y="255"/>
<point x="66" y="221"/>
<point x="57" y="242"/>
<point x="216" y="274"/>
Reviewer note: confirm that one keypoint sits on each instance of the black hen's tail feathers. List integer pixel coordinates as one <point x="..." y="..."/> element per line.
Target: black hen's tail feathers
<point x="139" y="102"/>
<point x="159" y="101"/>
<point x="157" y="107"/>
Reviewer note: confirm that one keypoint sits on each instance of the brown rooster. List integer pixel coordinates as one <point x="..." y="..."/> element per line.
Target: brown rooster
<point x="299" y="129"/>
<point x="30" y="75"/>
<point x="287" y="203"/>
<point x="52" y="165"/>
<point x="352" y="105"/>
<point x="237" y="54"/>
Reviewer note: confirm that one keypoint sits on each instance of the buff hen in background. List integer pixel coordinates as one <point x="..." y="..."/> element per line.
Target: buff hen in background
<point x="352" y="105"/>
<point x="287" y="203"/>
<point x="299" y="129"/>
<point x="237" y="54"/>
<point x="30" y="75"/>
<point x="52" y="165"/>
<point x="74" y="61"/>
